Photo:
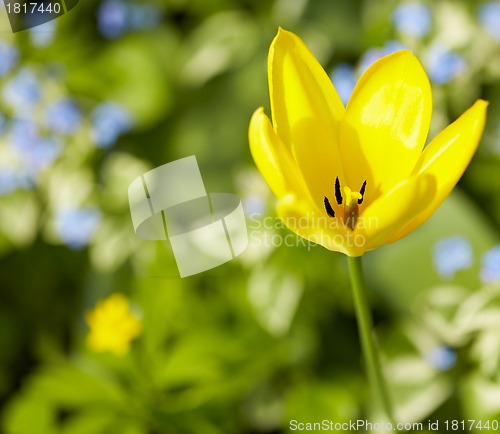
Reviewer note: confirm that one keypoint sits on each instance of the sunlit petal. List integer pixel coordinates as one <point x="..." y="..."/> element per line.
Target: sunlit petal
<point x="446" y="159"/>
<point x="386" y="123"/>
<point x="391" y="211"/>
<point x="306" y="112"/>
<point x="272" y="158"/>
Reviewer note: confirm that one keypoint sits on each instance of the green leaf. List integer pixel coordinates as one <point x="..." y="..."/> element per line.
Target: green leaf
<point x="91" y="421"/>
<point x="26" y="411"/>
<point x="72" y="387"/>
<point x="223" y="41"/>
<point x="314" y="401"/>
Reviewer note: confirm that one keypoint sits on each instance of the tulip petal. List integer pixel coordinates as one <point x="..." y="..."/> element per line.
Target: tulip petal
<point x="303" y="219"/>
<point x="386" y="124"/>
<point x="273" y="158"/>
<point x="306" y="112"/>
<point x="386" y="215"/>
<point x="446" y="159"/>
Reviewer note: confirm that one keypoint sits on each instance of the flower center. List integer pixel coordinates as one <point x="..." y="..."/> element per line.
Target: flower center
<point x="351" y="203"/>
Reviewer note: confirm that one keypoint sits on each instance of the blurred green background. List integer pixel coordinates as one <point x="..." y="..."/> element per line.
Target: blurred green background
<point x="94" y="99"/>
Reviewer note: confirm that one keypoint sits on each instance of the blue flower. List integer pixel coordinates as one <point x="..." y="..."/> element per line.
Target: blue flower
<point x="442" y="358"/>
<point x="254" y="205"/>
<point x="36" y="152"/>
<point x="444" y="65"/>
<point x="490" y="265"/>
<point x="373" y="54"/>
<point x="112" y="18"/>
<point x="451" y="255"/>
<point x="344" y="80"/>
<point x="22" y="92"/>
<point x="412" y="18"/>
<point x="43" y="34"/>
<point x="76" y="226"/>
<point x="23" y="134"/>
<point x="489" y="16"/>
<point x="63" y="117"/>
<point x="143" y="16"/>
<point x="44" y="153"/>
<point x="11" y="179"/>
<point x="369" y="57"/>
<point x="109" y="121"/>
<point x="115" y="17"/>
<point x="8" y="57"/>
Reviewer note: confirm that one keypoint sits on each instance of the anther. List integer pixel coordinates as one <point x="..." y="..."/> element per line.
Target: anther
<point x="338" y="194"/>
<point x="362" y="193"/>
<point x="328" y="208"/>
<point x="350" y="199"/>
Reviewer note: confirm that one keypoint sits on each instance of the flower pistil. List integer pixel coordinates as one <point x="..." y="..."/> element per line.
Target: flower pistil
<point x="351" y="204"/>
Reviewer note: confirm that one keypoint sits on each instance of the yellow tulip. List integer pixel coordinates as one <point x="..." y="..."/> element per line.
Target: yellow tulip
<point x="355" y="178"/>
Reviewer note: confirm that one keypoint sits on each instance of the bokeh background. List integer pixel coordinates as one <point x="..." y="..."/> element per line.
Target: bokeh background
<point x="92" y="100"/>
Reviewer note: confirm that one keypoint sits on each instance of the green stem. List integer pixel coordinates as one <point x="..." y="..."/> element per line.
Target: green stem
<point x="365" y="325"/>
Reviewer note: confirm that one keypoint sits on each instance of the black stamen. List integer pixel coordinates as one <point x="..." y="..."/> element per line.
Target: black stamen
<point x="328" y="208"/>
<point x="362" y="193"/>
<point x="338" y="194"/>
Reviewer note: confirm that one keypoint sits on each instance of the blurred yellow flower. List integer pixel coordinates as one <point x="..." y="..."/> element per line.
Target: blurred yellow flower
<point x="112" y="325"/>
<point x="354" y="178"/>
